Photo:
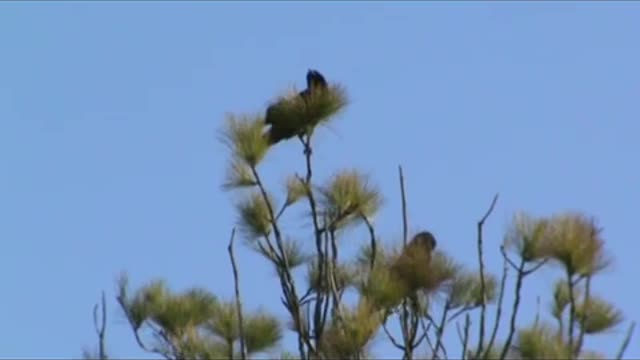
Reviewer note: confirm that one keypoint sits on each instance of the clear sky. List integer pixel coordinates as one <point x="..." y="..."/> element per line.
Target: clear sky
<point x="109" y="159"/>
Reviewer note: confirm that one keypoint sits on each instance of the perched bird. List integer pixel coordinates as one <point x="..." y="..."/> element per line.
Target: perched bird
<point x="412" y="266"/>
<point x="424" y="240"/>
<point x="280" y="131"/>
<point x="315" y="81"/>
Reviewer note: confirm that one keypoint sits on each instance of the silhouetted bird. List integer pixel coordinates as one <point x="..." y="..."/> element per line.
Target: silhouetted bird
<point x="278" y="131"/>
<point x="315" y="81"/>
<point x="413" y="264"/>
<point x="425" y="240"/>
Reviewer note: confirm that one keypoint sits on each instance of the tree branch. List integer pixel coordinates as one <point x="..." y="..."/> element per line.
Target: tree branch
<point x="101" y="327"/>
<point x="483" y="289"/>
<point x="286" y="278"/>
<point x="516" y="305"/>
<point x="440" y="332"/>
<point x="236" y="281"/>
<point x="627" y="340"/>
<point x="496" y="324"/>
<point x="586" y="302"/>
<point x="408" y="320"/>
<point x="393" y="339"/>
<point x="572" y="311"/>
<point x="372" y="237"/>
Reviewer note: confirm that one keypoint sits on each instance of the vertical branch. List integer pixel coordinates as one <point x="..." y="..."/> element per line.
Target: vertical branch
<point x="405" y="226"/>
<point x="332" y="272"/>
<point x="101" y="327"/>
<point x="288" y="285"/>
<point x="627" y="340"/>
<point x="404" y="317"/>
<point x="440" y="331"/>
<point x="236" y="281"/>
<point x="583" y="318"/>
<point x="322" y="270"/>
<point x="465" y="341"/>
<point x="516" y="306"/>
<point x="496" y="324"/>
<point x="374" y="244"/>
<point x="572" y="311"/>
<point x="483" y="305"/>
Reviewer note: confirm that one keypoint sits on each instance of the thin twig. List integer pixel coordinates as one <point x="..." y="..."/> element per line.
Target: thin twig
<point x="627" y="340"/>
<point x="483" y="305"/>
<point x="101" y="327"/>
<point x="236" y="281"/>
<point x="372" y="237"/>
<point x="135" y="328"/>
<point x="516" y="306"/>
<point x="322" y="270"/>
<point x="496" y="324"/>
<point x="440" y="331"/>
<point x="465" y="344"/>
<point x="572" y="311"/>
<point x="405" y="226"/>
<point x="536" y="321"/>
<point x="286" y="279"/>
<point x="536" y="267"/>
<point x="586" y="303"/>
<point x="425" y="330"/>
<point x="393" y="339"/>
<point x="460" y="312"/>
<point x="404" y="317"/>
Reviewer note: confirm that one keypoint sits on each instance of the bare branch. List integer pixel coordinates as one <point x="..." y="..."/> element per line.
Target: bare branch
<point x="572" y="311"/>
<point x="284" y="272"/>
<point x="425" y="329"/>
<point x="405" y="226"/>
<point x="627" y="340"/>
<point x="587" y="299"/>
<point x="465" y="343"/>
<point x="496" y="324"/>
<point x="101" y="327"/>
<point x="393" y="339"/>
<point x="323" y="276"/>
<point x="374" y="243"/>
<point x="236" y="281"/>
<point x="536" y="267"/>
<point x="123" y="304"/>
<point x="516" y="306"/>
<point x="483" y="305"/>
<point x="440" y="332"/>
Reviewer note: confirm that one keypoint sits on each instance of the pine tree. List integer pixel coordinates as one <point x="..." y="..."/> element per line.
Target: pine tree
<point x="412" y="283"/>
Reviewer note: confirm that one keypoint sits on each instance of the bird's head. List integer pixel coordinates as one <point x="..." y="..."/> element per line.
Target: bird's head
<point x="425" y="239"/>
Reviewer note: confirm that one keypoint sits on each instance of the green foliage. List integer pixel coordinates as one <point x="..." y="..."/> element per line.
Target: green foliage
<point x="244" y="136"/>
<point x="347" y="196"/>
<point x="466" y="290"/>
<point x="239" y="176"/>
<point x="574" y="241"/>
<point x="255" y="220"/>
<point x="296" y="189"/>
<point x="195" y="324"/>
<point x="596" y="315"/>
<point x="539" y="342"/>
<point x="404" y="282"/>
<point x="343" y="277"/>
<point x="347" y="338"/>
<point x="526" y="236"/>
<point x="561" y="299"/>
<point x="296" y="114"/>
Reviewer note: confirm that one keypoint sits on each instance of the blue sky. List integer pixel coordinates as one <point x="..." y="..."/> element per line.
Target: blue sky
<point x="109" y="159"/>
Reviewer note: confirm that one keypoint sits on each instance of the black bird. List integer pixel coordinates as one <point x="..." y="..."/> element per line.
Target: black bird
<point x="315" y="81"/>
<point x="279" y="132"/>
<point x="424" y="239"/>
